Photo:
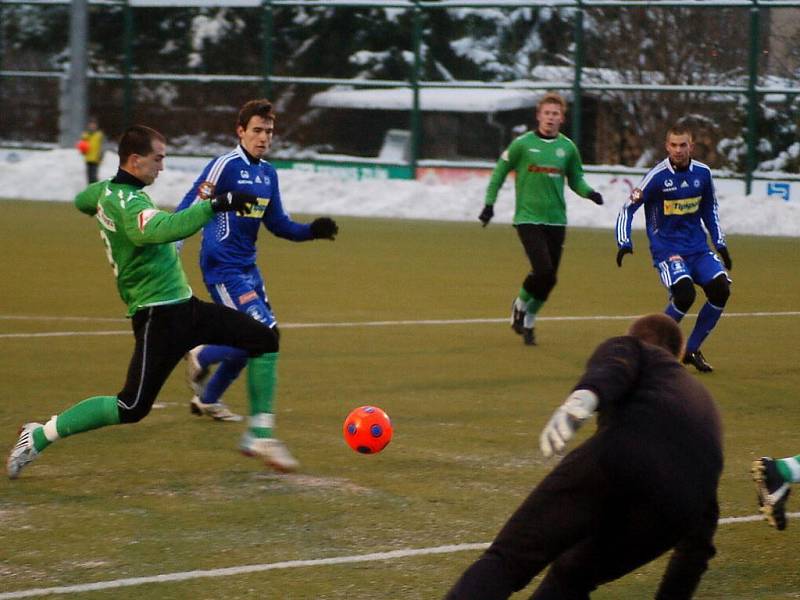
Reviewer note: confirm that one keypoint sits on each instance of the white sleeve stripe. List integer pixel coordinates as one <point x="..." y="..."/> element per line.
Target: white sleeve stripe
<point x="652" y="173"/>
<point x="219" y="165"/>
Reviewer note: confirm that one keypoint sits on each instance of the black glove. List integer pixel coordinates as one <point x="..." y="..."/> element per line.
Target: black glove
<point x="324" y="228"/>
<point x="726" y="258"/>
<point x="241" y="202"/>
<point x="596" y="198"/>
<point x="486" y="214"/>
<point x="621" y="254"/>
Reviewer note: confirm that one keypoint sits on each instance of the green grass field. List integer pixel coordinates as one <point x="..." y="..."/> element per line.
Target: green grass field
<point x="171" y="494"/>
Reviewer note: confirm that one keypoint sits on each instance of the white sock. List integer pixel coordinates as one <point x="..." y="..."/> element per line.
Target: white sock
<point x="50" y="430"/>
<point x="530" y="319"/>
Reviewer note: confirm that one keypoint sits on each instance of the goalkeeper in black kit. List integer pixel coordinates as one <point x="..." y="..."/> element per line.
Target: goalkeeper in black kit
<point x="645" y="482"/>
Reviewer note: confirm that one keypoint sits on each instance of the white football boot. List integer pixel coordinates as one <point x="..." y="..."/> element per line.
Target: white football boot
<point x="218" y="411"/>
<point x="23" y="452"/>
<point x="273" y="452"/>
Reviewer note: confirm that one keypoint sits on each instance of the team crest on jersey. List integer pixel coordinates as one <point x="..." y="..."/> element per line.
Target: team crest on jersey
<point x="697" y="183"/>
<point x="560" y="153"/>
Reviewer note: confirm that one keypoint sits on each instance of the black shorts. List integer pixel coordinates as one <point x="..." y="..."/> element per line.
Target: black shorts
<point x="165" y="333"/>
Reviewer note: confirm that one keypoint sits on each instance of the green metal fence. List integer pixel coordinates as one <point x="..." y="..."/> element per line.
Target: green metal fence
<point x="267" y="79"/>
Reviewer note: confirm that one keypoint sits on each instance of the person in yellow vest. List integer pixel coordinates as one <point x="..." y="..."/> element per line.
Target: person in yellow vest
<point x="91" y="146"/>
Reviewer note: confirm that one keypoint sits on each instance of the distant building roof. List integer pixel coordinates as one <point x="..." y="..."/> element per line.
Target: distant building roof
<point x="430" y="99"/>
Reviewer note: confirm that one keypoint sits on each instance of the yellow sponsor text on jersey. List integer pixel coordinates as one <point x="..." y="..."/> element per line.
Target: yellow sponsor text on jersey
<point x="257" y="211"/>
<point x="684" y="206"/>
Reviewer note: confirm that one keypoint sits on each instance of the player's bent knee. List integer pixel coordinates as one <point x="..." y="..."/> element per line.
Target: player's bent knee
<point x="718" y="290"/>
<point x="134" y="414"/>
<point x="683" y="294"/>
<point x="541" y="284"/>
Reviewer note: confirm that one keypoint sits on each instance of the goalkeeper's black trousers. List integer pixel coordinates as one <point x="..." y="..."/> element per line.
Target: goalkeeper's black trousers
<point x="594" y="530"/>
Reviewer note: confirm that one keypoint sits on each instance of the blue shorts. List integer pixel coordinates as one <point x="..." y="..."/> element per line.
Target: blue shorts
<point x="700" y="267"/>
<point x="246" y="293"/>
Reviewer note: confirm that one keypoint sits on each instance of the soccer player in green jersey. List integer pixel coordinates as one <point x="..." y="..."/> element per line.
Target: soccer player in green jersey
<point x="167" y="320"/>
<point x="774" y="478"/>
<point x="542" y="161"/>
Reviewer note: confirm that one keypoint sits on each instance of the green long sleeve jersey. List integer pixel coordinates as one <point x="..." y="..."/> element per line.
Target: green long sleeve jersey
<point x="541" y="166"/>
<point x="138" y="237"/>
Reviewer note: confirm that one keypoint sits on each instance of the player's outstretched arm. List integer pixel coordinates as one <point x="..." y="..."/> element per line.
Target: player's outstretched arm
<point x="579" y="406"/>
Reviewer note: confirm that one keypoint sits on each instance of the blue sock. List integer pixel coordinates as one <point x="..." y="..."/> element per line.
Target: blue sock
<point x="706" y="320"/>
<point x="674" y="313"/>
<point x="232" y="361"/>
<point x="211" y="355"/>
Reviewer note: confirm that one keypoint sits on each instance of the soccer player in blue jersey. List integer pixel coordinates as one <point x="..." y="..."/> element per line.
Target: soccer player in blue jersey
<point x="679" y="199"/>
<point x="228" y="263"/>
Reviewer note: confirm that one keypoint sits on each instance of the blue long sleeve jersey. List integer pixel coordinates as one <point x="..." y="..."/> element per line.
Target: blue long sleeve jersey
<point x="229" y="240"/>
<point x="677" y="205"/>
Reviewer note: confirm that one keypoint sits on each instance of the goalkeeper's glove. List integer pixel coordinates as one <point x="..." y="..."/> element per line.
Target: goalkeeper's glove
<point x="324" y="228"/>
<point x="579" y="406"/>
<point x="486" y="214"/>
<point x="726" y="257"/>
<point x="621" y="254"/>
<point x="596" y="197"/>
<point x="241" y="202"/>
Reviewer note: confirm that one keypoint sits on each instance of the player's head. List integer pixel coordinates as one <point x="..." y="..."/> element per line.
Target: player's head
<point x="550" y="114"/>
<point x="91" y="124"/>
<point x="255" y="126"/>
<point x="679" y="145"/>
<point x="660" y="330"/>
<point x="141" y="152"/>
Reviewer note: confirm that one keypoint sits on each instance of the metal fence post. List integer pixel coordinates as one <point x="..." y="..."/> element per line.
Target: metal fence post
<point x="577" y="117"/>
<point x="267" y="29"/>
<point x="752" y="98"/>
<point x="127" y="66"/>
<point x="76" y="101"/>
<point x="416" y="119"/>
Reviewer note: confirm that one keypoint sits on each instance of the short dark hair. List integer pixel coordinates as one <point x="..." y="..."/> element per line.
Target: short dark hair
<point x="681" y="129"/>
<point x="137" y="139"/>
<point x="660" y="330"/>
<point x="261" y="107"/>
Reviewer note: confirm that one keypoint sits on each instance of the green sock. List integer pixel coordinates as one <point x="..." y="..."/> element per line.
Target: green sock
<point x="534" y="304"/>
<point x="98" y="411"/>
<point x="789" y="468"/>
<point x="524" y="295"/>
<point x="262" y="380"/>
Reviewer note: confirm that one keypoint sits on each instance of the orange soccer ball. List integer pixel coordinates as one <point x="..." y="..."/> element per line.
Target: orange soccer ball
<point x="82" y="146"/>
<point x="367" y="429"/>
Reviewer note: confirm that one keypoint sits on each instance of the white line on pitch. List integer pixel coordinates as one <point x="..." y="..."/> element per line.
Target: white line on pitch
<point x="350" y="324"/>
<point x="289" y="564"/>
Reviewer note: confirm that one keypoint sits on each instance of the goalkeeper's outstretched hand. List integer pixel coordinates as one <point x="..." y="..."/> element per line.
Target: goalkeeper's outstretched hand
<point x="324" y="228"/>
<point x="241" y="202"/>
<point x="578" y="407"/>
